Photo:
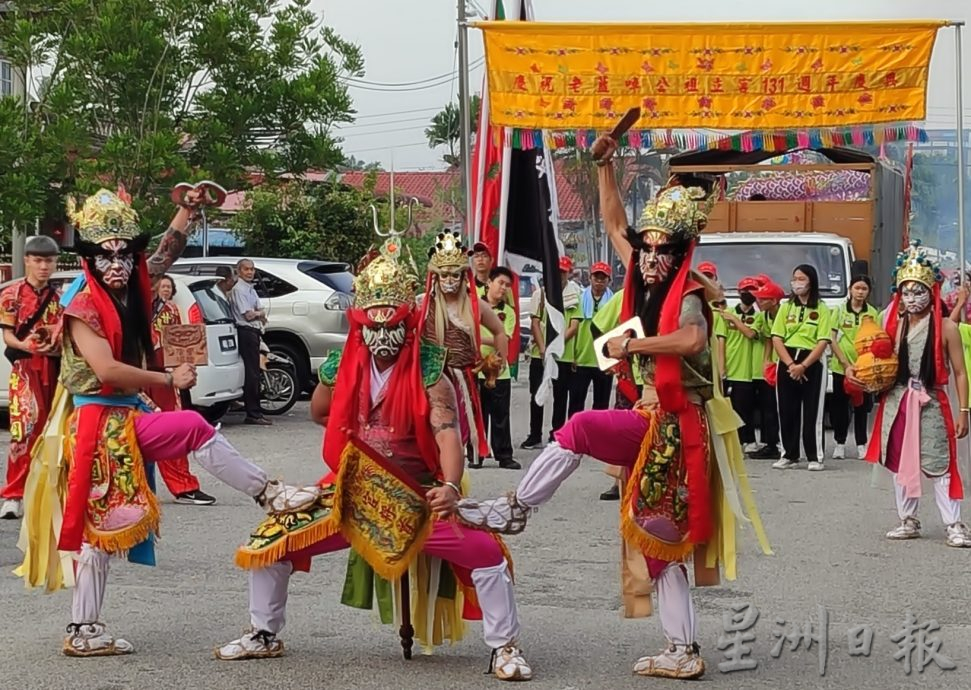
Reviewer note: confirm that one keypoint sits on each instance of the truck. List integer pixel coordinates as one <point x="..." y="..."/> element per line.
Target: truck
<point x="839" y="209"/>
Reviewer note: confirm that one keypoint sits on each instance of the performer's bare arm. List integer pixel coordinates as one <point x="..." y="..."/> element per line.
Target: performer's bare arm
<point x="955" y="352"/>
<point x="97" y="353"/>
<point x="445" y="426"/>
<point x="320" y="404"/>
<point x="690" y="338"/>
<point x="174" y="240"/>
<point x="491" y="321"/>
<point x="611" y="205"/>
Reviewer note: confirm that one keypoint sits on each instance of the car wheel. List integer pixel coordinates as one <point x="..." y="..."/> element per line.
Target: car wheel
<point x="278" y="390"/>
<point x="213" y="413"/>
<point x="300" y="362"/>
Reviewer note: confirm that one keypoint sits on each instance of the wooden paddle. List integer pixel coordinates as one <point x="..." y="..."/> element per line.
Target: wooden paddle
<point x="628" y="121"/>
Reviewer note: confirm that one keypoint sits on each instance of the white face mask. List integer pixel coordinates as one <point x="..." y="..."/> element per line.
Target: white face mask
<point x="450" y="282"/>
<point x="915" y="297"/>
<point x="800" y="287"/>
<point x="383" y="342"/>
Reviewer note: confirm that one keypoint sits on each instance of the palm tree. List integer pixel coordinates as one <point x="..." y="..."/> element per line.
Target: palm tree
<point x="444" y="129"/>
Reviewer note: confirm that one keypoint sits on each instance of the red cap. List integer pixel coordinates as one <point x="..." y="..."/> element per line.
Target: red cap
<point x="748" y="283"/>
<point x="481" y="247"/>
<point x="770" y="291"/>
<point x="708" y="268"/>
<point x="600" y="267"/>
<point x="763" y="279"/>
<point x="566" y="263"/>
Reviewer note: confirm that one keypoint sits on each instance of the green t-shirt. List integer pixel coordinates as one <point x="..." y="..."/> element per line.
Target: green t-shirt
<point x="801" y="327"/>
<point x="758" y="347"/>
<point x="569" y="355"/>
<point x="507" y="315"/>
<point x="608" y="316"/>
<point x="846" y="323"/>
<point x="965" y="331"/>
<point x="585" y="355"/>
<point x="738" y="348"/>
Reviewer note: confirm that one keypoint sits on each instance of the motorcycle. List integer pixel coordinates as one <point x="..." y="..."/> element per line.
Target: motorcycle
<point x="278" y="383"/>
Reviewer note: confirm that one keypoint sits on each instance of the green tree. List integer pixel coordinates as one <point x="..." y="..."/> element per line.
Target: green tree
<point x="148" y="93"/>
<point x="445" y="129"/>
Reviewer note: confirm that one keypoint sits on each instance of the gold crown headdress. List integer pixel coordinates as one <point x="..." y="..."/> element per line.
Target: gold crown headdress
<point x="914" y="264"/>
<point x="103" y="216"/>
<point x="448" y="252"/>
<point x="676" y="214"/>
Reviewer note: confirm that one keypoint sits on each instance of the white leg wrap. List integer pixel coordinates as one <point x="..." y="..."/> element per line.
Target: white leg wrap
<point x="950" y="508"/>
<point x="906" y="507"/>
<point x="500" y="621"/>
<point x="546" y="473"/>
<point x="675" y="605"/>
<point x="223" y="461"/>
<point x="268" y="589"/>
<point x="91" y="578"/>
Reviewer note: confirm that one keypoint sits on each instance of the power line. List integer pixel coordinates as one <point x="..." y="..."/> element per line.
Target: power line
<point x="423" y="118"/>
<point x="384" y="131"/>
<point x="386" y="148"/>
<point x="413" y="85"/>
<point x="398" y="112"/>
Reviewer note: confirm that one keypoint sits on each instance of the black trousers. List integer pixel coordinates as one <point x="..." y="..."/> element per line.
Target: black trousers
<point x="535" y="411"/>
<point x="742" y="395"/>
<point x="249" y="352"/>
<point x="770" y="413"/>
<point x="839" y="413"/>
<point x="798" y="409"/>
<point x="582" y="378"/>
<point x="561" y="394"/>
<point x="495" y="415"/>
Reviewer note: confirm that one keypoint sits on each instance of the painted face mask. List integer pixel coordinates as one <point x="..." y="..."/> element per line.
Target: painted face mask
<point x="915" y="297"/>
<point x="384" y="342"/>
<point x="655" y="262"/>
<point x="451" y="281"/>
<point x="115" y="263"/>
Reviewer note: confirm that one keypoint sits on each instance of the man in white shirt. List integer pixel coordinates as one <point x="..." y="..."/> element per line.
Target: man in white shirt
<point x="250" y="317"/>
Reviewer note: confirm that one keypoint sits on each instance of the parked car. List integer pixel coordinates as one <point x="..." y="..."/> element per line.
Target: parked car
<point x="306" y="303"/>
<point x="219" y="382"/>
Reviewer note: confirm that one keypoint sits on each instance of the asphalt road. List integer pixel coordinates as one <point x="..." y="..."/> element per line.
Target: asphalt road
<point x="827" y="530"/>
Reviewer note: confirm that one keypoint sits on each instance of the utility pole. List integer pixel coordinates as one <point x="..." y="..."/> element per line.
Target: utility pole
<point x="465" y="119"/>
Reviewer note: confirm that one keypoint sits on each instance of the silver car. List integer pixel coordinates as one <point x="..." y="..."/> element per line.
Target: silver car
<point x="306" y="303"/>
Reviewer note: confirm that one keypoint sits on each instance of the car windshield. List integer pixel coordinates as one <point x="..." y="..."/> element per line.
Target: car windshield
<point x="737" y="260"/>
<point x="214" y="307"/>
<point x="331" y="276"/>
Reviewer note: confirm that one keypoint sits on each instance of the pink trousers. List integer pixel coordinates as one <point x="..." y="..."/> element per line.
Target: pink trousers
<point x="170" y="436"/>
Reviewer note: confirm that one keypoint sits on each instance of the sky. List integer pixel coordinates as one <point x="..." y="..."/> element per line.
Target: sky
<point x="409" y="42"/>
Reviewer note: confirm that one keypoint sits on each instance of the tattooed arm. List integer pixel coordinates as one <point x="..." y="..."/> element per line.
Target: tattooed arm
<point x="173" y="241"/>
<point x="445" y="427"/>
<point x="690" y="338"/>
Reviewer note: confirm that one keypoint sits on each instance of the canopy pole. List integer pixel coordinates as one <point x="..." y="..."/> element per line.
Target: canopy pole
<point x="959" y="107"/>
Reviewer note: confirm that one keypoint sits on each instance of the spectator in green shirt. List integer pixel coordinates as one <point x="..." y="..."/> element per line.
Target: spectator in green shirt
<point x="567" y="361"/>
<point x="736" y="341"/>
<point x="768" y="298"/>
<point x="844" y="323"/>
<point x="587" y="371"/>
<point x="481" y="266"/>
<point x="800" y="335"/>
<point x="496" y="401"/>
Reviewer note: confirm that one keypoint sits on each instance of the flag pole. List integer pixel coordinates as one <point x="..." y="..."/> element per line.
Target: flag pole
<point x="959" y="92"/>
<point x="465" y="120"/>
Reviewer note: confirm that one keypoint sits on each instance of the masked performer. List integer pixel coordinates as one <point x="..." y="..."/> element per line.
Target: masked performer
<point x="917" y="429"/>
<point x="393" y="440"/>
<point x="99" y="437"/>
<point x="451" y="313"/>
<point x="30" y="316"/>
<point x="672" y="501"/>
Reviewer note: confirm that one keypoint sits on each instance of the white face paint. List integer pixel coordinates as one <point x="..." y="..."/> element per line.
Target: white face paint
<point x="384" y="342"/>
<point x="115" y="263"/>
<point x="451" y="281"/>
<point x="655" y="263"/>
<point x="915" y="297"/>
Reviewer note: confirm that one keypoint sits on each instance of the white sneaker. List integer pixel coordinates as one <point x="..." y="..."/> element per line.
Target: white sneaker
<point x="909" y="528"/>
<point x="12" y="509"/>
<point x="784" y="464"/>
<point x="255" y="644"/>
<point x="278" y="497"/>
<point x="752" y="447"/>
<point x="677" y="661"/>
<point x="816" y="466"/>
<point x="505" y="515"/>
<point x="508" y="663"/>
<point x="861" y="451"/>
<point x="92" y="639"/>
<point x="958" y="535"/>
<point x="839" y="452"/>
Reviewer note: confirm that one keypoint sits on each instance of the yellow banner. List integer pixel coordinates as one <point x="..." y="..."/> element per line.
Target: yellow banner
<point x="723" y="76"/>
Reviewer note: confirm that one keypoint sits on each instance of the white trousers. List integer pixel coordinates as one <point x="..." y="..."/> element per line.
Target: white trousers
<point x="268" y="589"/>
<point x="222" y="461"/>
<point x="950" y="508"/>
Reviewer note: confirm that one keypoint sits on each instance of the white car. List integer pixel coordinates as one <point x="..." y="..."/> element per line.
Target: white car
<point x="199" y="300"/>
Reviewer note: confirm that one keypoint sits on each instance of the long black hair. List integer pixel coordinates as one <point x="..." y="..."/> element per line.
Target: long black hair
<point x="810" y="272"/>
<point x="928" y="375"/>
<point x="647" y="304"/>
<point x="861" y="278"/>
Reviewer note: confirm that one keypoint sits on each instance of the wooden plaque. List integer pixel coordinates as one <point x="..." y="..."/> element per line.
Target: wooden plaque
<point x="184" y="343"/>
